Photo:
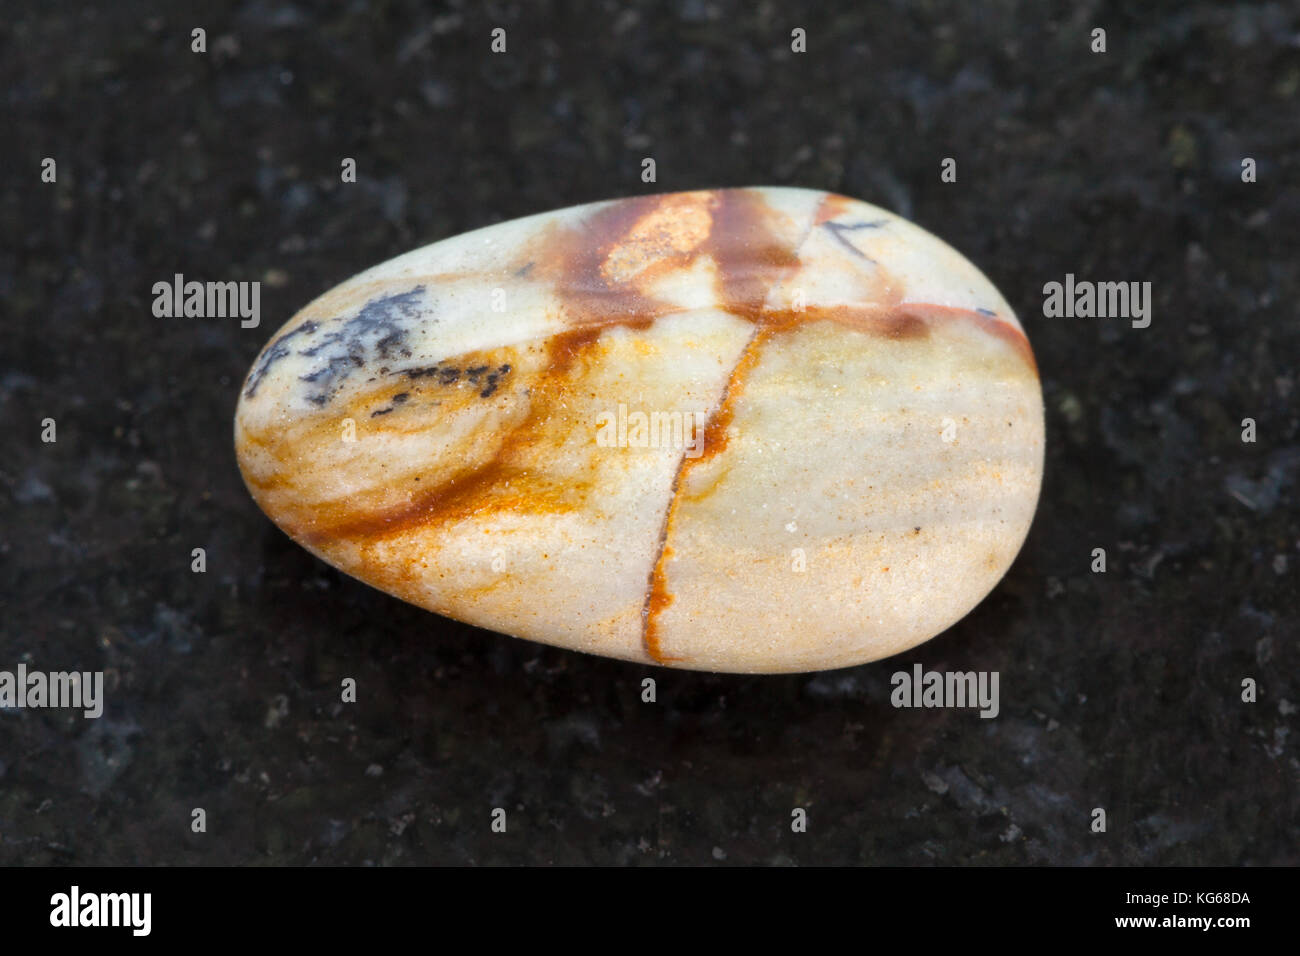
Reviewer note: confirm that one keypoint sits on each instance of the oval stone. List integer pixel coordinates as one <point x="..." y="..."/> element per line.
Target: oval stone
<point x="748" y="430"/>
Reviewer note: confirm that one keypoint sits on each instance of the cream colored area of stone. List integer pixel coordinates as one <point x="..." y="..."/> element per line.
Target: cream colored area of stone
<point x="837" y="449"/>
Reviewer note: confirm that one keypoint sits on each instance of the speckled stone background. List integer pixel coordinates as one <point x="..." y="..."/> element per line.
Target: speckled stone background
<point x="1119" y="690"/>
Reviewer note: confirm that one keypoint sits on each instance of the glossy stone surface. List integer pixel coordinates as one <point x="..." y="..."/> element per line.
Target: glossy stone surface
<point x="866" y="468"/>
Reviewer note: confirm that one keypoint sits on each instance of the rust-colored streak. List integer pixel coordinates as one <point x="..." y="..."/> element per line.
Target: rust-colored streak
<point x="832" y="207"/>
<point x="657" y="598"/>
<point x="567" y="347"/>
<point x="595" y="293"/>
<point x="459" y="497"/>
<point x="676" y="227"/>
<point x="605" y="268"/>
<point x="751" y="259"/>
<point x="716" y="433"/>
<point x="1009" y="334"/>
<point x="718" y="429"/>
<point x="749" y="251"/>
<point x="927" y="312"/>
<point x="901" y="326"/>
<point x="899" y="321"/>
<point x="277" y="481"/>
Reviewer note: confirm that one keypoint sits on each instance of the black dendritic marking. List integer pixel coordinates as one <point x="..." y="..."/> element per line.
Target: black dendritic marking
<point x="278" y="350"/>
<point x="837" y="229"/>
<point x="483" y="377"/>
<point x="491" y="385"/>
<point x="379" y="331"/>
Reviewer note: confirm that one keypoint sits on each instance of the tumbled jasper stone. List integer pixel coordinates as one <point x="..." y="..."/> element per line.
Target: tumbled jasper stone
<point x="464" y="427"/>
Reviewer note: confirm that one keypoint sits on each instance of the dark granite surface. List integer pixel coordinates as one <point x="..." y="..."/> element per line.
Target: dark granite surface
<point x="1119" y="690"/>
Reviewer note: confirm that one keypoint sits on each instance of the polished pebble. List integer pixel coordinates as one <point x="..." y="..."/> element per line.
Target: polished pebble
<point x="748" y="430"/>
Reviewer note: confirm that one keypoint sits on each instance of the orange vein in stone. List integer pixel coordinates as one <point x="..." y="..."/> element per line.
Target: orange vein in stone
<point x="715" y="440"/>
